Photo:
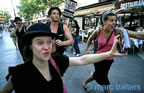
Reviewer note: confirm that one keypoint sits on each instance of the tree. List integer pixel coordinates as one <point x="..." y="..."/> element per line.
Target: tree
<point x="5" y="14"/>
<point x="28" y="8"/>
<point x="51" y="3"/>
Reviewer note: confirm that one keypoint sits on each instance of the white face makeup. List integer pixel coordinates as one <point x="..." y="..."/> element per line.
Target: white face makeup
<point x="42" y="48"/>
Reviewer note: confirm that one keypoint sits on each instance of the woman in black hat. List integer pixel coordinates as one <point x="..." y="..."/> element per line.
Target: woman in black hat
<point x="42" y="72"/>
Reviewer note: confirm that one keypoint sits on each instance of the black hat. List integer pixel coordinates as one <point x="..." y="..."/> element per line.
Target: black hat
<point x="17" y="19"/>
<point x="38" y="29"/>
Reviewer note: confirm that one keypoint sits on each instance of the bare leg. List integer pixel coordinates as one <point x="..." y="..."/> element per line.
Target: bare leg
<point x="90" y="78"/>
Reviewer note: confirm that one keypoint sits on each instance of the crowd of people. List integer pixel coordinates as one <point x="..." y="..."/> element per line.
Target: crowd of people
<point x="42" y="47"/>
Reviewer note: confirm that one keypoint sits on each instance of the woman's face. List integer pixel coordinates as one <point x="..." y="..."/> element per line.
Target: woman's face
<point x="110" y="23"/>
<point x="42" y="48"/>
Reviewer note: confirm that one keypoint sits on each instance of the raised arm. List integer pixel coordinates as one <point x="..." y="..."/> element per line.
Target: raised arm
<point x="93" y="58"/>
<point x="133" y="34"/>
<point x="137" y="35"/>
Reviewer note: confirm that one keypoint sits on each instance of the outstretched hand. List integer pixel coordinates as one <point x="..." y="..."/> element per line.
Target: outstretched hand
<point x="114" y="50"/>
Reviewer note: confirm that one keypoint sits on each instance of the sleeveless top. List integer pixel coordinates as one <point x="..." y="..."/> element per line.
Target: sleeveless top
<point x="21" y="33"/>
<point x="26" y="78"/>
<point x="101" y="42"/>
<point x="77" y="30"/>
<point x="60" y="35"/>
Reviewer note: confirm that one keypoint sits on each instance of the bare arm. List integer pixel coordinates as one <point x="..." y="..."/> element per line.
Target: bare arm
<point x="68" y="36"/>
<point x="133" y="34"/>
<point x="9" y="29"/>
<point x="94" y="58"/>
<point x="92" y="37"/>
<point x="13" y="32"/>
<point x="88" y="59"/>
<point x="137" y="35"/>
<point x="8" y="88"/>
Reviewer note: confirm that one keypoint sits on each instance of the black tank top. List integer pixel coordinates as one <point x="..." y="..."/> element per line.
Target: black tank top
<point x="60" y="35"/>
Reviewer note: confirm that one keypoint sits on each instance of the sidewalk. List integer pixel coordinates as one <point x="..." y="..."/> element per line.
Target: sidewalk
<point x="141" y="55"/>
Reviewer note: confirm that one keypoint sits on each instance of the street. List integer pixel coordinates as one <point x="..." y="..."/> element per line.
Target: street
<point x="126" y="74"/>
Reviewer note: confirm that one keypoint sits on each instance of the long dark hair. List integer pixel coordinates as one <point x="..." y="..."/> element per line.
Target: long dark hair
<point x="27" y="51"/>
<point x="76" y="24"/>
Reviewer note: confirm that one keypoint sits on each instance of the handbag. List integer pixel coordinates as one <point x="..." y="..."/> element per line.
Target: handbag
<point x="57" y="69"/>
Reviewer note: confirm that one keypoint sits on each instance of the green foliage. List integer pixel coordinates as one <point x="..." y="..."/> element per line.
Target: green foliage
<point x="6" y="14"/>
<point x="29" y="7"/>
<point x="50" y="3"/>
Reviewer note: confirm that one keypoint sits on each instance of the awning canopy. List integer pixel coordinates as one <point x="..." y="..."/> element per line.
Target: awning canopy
<point x="102" y="8"/>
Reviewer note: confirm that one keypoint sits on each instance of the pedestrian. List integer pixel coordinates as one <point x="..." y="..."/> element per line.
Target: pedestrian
<point x="105" y="35"/>
<point x="1" y="30"/>
<point x="75" y="32"/>
<point x="61" y="29"/>
<point x="19" y="30"/>
<point x="11" y="26"/>
<point x="10" y="29"/>
<point x="140" y="42"/>
<point x="42" y="72"/>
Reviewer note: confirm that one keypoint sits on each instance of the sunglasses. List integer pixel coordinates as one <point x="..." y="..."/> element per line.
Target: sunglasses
<point x="18" y="23"/>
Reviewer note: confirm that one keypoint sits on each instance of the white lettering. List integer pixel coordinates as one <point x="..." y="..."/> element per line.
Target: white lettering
<point x="132" y="4"/>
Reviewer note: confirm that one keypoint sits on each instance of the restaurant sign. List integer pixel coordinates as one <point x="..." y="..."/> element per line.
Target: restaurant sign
<point x="132" y="4"/>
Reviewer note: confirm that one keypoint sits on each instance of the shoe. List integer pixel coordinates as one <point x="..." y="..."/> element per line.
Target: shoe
<point x="74" y="53"/>
<point x="87" y="91"/>
<point x="88" y="88"/>
<point x="78" y="55"/>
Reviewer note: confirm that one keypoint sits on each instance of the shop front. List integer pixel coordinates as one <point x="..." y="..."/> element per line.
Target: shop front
<point x="131" y="16"/>
<point x="89" y="16"/>
<point x="2" y="18"/>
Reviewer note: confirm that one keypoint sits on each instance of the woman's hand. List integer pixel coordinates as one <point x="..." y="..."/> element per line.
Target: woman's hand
<point x="114" y="51"/>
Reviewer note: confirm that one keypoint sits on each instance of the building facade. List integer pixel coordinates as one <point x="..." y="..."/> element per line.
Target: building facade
<point x="131" y="16"/>
<point x="89" y="16"/>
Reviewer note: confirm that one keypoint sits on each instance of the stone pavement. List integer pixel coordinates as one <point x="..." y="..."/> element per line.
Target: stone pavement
<point x="126" y="74"/>
<point x="141" y="55"/>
